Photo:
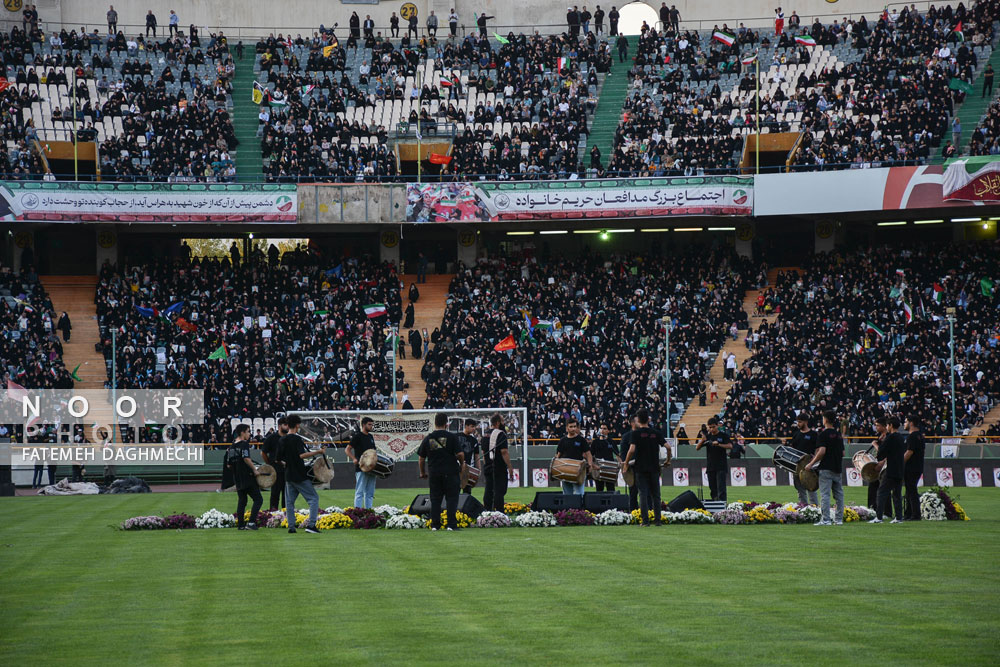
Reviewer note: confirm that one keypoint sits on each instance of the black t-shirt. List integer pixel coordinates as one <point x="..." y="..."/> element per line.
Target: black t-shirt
<point x="572" y="448"/>
<point x="833" y="457"/>
<point x="717" y="457"/>
<point x="244" y="477"/>
<point x="440" y="449"/>
<point x="469" y="446"/>
<point x="603" y="449"/>
<point x="272" y="447"/>
<point x="361" y="443"/>
<point x="292" y="447"/>
<point x="493" y="454"/>
<point x="892" y="451"/>
<point x="647" y="444"/>
<point x="915" y="443"/>
<point x="805" y="442"/>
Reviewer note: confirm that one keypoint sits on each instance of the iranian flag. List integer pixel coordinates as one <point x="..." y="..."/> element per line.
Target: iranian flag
<point x="871" y="328"/>
<point x="749" y="60"/>
<point x="446" y="83"/>
<point x="858" y="348"/>
<point x="374" y="310"/>
<point x="560" y="64"/>
<point x="908" y="312"/>
<point x="938" y="293"/>
<point x="805" y="40"/>
<point x="308" y="88"/>
<point x="724" y="37"/>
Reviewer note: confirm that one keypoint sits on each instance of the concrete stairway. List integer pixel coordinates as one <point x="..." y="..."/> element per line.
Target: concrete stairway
<point x="696" y="415"/>
<point x="428" y="314"/>
<point x="992" y="417"/>
<point x="975" y="105"/>
<point x="609" y="106"/>
<point x="249" y="168"/>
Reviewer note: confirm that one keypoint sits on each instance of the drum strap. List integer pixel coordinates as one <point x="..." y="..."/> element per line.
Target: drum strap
<point x="494" y="437"/>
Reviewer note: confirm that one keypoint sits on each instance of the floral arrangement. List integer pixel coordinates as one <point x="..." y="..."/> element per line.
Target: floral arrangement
<point x="333" y="521"/>
<point x="213" y="518"/>
<point x="535" y="520"/>
<point x="300" y="520"/>
<point x="493" y="520"/>
<point x="689" y="516"/>
<point x="637" y="514"/>
<point x="463" y="520"/>
<point x="386" y="511"/>
<point x="760" y="514"/>
<point x="365" y="519"/>
<point x="937" y="505"/>
<point x="810" y="513"/>
<point x="179" y="522"/>
<point x="574" y="517"/>
<point x="731" y="516"/>
<point x="143" y="523"/>
<point x="333" y="509"/>
<point x="404" y="522"/>
<point x="513" y="509"/>
<point x="864" y="513"/>
<point x="613" y="518"/>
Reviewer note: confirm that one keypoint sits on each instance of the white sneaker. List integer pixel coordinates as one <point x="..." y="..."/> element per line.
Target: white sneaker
<point x="838" y="523"/>
<point x="875" y="520"/>
<point x="433" y="529"/>
<point x="824" y="522"/>
<point x="895" y="521"/>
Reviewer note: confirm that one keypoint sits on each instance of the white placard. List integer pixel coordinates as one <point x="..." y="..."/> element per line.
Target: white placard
<point x="949" y="451"/>
<point x="738" y="476"/>
<point x="517" y="480"/>
<point x="247" y="321"/>
<point x="854" y="477"/>
<point x="996" y="477"/>
<point x="266" y="333"/>
<point x="704" y="477"/>
<point x="680" y="476"/>
<point x="768" y="476"/>
<point x="540" y="477"/>
<point x="945" y="477"/>
<point x="262" y="321"/>
<point x="973" y="477"/>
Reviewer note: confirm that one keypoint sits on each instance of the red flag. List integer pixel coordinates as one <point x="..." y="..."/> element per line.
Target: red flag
<point x="446" y="83"/>
<point x="506" y="344"/>
<point x="4" y="84"/>
<point x="437" y="158"/>
<point x="186" y="327"/>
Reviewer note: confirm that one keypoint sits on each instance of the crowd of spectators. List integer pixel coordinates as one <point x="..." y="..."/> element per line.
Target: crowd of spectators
<point x="293" y="329"/>
<point x="841" y="341"/>
<point x="986" y="136"/>
<point x="594" y="345"/>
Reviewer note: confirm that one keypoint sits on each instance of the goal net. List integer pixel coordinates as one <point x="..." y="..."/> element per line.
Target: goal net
<point x="398" y="433"/>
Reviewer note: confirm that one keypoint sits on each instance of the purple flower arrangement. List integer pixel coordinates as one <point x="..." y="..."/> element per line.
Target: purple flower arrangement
<point x="365" y="519"/>
<point x="730" y="517"/>
<point x="143" y="523"/>
<point x="574" y="517"/>
<point x="178" y="522"/>
<point x="493" y="520"/>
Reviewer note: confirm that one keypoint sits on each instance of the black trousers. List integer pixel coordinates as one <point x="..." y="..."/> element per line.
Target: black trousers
<point x="496" y="488"/>
<point x="648" y="483"/>
<point x="52" y="474"/>
<point x="633" y="497"/>
<point x="873" y="495"/>
<point x="444" y="486"/>
<point x="394" y="30"/>
<point x="987" y="88"/>
<point x="890" y="489"/>
<point x="277" y="500"/>
<point x="717" y="483"/>
<point x="77" y="474"/>
<point x="241" y="505"/>
<point x="605" y="487"/>
<point x="912" y="512"/>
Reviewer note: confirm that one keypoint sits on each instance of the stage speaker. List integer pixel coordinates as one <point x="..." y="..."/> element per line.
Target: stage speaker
<point x="685" y="501"/>
<point x="467" y="504"/>
<point x="6" y="486"/>
<point x="599" y="502"/>
<point x="553" y="501"/>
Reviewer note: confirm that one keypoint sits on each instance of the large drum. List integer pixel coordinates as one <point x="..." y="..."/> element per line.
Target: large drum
<point x="866" y="464"/>
<point x="808" y="477"/>
<point x="319" y="471"/>
<point x="787" y="458"/>
<point x="266" y="476"/>
<point x="605" y="471"/>
<point x="377" y="464"/>
<point x="629" y="476"/>
<point x="573" y="471"/>
<point x="470" y="476"/>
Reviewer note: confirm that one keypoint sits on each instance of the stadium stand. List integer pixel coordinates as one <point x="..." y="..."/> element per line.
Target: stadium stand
<point x="986" y="136"/>
<point x="810" y="359"/>
<point x="595" y="347"/>
<point x="316" y="349"/>
<point x="31" y="354"/>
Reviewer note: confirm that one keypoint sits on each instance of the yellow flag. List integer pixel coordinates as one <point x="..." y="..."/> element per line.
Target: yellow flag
<point x="258" y="95"/>
<point x="586" y="321"/>
<point x="327" y="50"/>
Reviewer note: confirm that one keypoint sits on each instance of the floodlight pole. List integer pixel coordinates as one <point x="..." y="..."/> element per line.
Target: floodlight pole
<point x="395" y="339"/>
<point x="76" y="134"/>
<point x="951" y="356"/>
<point x="666" y="366"/>
<point x="756" y="142"/>
<point x="114" y="381"/>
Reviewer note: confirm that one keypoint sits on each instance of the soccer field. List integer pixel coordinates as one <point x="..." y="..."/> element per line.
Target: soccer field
<point x="77" y="591"/>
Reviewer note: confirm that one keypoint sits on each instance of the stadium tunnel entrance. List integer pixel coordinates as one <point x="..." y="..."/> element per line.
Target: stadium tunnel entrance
<point x="633" y="15"/>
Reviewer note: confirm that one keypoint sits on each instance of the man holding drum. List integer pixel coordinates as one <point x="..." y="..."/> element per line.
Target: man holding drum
<point x="805" y="442"/>
<point x="719" y="444"/>
<point x="271" y="451"/>
<point x="364" y="482"/>
<point x="574" y="446"/>
<point x="603" y="449"/>
<point x="294" y="453"/>
<point x="443" y="455"/>
<point x="470" y="447"/>
<point x="497" y="467"/>
<point x="890" y="455"/>
<point x="913" y="467"/>
<point x="644" y="452"/>
<point x="829" y="459"/>
<point x="245" y="475"/>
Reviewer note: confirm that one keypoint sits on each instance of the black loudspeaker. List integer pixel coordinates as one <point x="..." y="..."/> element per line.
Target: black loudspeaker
<point x="6" y="487"/>
<point x="685" y="501"/>
<point x="467" y="504"/>
<point x="553" y="501"/>
<point x="599" y="502"/>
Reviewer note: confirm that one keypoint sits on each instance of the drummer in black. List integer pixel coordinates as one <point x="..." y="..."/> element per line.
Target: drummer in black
<point x="441" y="453"/>
<point x="913" y="467"/>
<point x="718" y="445"/>
<point x="828" y="460"/>
<point x="804" y="441"/>
<point x="245" y="475"/>
<point x="271" y="451"/>
<point x="470" y="447"/>
<point x="644" y="454"/>
<point x="626" y="442"/>
<point x="890" y="454"/>
<point x="574" y="446"/>
<point x="364" y="482"/>
<point x="497" y="468"/>
<point x="603" y="449"/>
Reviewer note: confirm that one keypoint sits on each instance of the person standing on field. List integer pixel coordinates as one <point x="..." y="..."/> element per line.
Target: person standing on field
<point x="245" y="474"/>
<point x="829" y="460"/>
<point x="496" y="467"/>
<point x="440" y="460"/>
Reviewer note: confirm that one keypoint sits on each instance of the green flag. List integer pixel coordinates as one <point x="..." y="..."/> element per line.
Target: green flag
<point x="960" y="84"/>
<point x="502" y="40"/>
<point x="986" y="287"/>
<point x="74" y="375"/>
<point x="220" y="353"/>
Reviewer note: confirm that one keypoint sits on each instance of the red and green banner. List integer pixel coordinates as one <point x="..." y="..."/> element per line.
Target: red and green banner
<point x="972" y="179"/>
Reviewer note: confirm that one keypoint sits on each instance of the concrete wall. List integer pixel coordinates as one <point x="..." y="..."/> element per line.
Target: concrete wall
<point x="303" y="16"/>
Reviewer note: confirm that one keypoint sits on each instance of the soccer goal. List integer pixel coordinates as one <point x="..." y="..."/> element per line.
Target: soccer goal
<point x="398" y="433"/>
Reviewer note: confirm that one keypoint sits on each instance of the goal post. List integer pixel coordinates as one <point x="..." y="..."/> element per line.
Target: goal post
<point x="398" y="433"/>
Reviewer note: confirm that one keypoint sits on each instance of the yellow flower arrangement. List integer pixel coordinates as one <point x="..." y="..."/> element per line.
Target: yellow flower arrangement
<point x="334" y="521"/>
<point x="515" y="508"/>
<point x="299" y="520"/>
<point x="705" y="512"/>
<point x="464" y="520"/>
<point x="850" y="515"/>
<point x="760" y="514"/>
<point x="962" y="516"/>
<point x="637" y="514"/>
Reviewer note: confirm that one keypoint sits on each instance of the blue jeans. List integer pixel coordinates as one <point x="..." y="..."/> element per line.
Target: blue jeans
<point x="292" y="491"/>
<point x="830" y="481"/>
<point x="572" y="489"/>
<point x="364" y="489"/>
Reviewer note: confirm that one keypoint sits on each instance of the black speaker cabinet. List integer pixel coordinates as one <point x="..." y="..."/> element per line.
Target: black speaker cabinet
<point x="467" y="504"/>
<point x="685" y="501"/>
<point x="553" y="501"/>
<point x="600" y="502"/>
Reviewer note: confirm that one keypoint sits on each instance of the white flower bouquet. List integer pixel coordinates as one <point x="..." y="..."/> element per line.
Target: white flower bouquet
<point x="931" y="507"/>
<point x="404" y="522"/>
<point x="493" y="520"/>
<point x="214" y="518"/>
<point x="688" y="516"/>
<point x="535" y="520"/>
<point x="613" y="518"/>
<point x="387" y="511"/>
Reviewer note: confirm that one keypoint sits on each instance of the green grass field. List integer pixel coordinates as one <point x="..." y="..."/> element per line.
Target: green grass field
<point x="76" y="591"/>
